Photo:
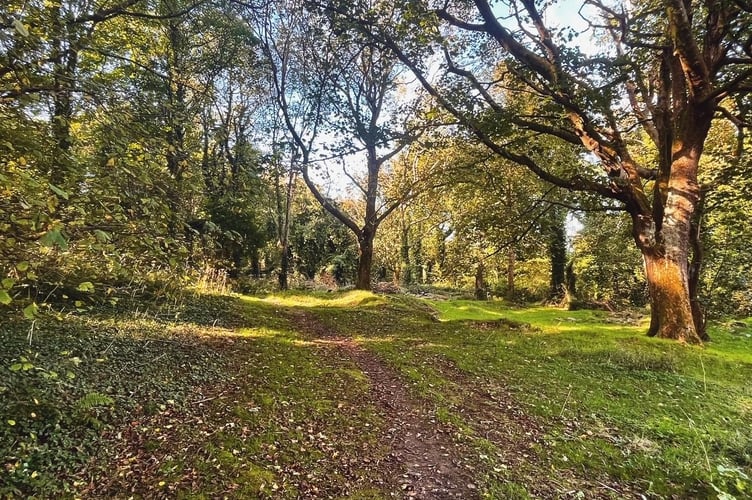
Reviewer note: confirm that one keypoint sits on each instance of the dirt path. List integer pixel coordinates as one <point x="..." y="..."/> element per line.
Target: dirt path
<point x="425" y="461"/>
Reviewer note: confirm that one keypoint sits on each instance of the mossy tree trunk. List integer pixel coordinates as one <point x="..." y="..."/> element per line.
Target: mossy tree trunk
<point x="557" y="250"/>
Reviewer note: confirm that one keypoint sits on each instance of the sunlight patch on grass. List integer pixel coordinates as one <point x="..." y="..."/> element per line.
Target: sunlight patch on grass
<point x="730" y="345"/>
<point x="457" y="310"/>
<point x="431" y="345"/>
<point x="390" y="340"/>
<point x="305" y="343"/>
<point x="551" y="320"/>
<point x="744" y="404"/>
<point x="352" y="298"/>
<point x="258" y="333"/>
<point x="653" y="408"/>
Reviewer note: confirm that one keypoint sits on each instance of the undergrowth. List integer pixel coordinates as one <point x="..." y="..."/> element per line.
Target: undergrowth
<point x="206" y="397"/>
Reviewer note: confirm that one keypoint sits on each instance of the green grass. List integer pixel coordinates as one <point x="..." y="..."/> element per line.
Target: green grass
<point x="661" y="416"/>
<point x="221" y="396"/>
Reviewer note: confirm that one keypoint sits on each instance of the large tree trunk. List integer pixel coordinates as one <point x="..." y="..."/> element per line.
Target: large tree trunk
<point x="668" y="276"/>
<point x="664" y="240"/>
<point x="367" y="234"/>
<point x="365" y="260"/>
<point x="668" y="234"/>
<point x="671" y="311"/>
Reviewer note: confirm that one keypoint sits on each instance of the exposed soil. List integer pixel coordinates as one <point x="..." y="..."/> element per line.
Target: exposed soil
<point x="425" y="460"/>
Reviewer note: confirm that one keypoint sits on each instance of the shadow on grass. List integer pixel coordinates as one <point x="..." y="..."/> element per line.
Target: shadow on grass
<point x="217" y="398"/>
<point x="671" y="415"/>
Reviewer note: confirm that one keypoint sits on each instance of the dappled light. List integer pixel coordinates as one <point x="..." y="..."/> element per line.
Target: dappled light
<point x="299" y="299"/>
<point x="557" y="320"/>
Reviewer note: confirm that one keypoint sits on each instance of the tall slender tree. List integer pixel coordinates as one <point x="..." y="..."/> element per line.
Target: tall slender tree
<point x="329" y="80"/>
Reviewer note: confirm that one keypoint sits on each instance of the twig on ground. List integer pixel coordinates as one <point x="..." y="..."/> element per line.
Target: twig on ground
<point x="51" y="292"/>
<point x="108" y="347"/>
<point x="608" y="487"/>
<point x="564" y="406"/>
<point x="209" y="399"/>
<point x="31" y="331"/>
<point x="153" y="360"/>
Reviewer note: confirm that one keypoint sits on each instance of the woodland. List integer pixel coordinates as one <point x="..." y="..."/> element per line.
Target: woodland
<point x="366" y="249"/>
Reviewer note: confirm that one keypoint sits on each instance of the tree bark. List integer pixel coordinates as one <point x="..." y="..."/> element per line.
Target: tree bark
<point x="406" y="277"/>
<point x="571" y="281"/>
<point x="284" y="242"/>
<point x="365" y="260"/>
<point x="664" y="241"/>
<point x="511" y="260"/>
<point x="367" y="234"/>
<point x="480" y="283"/>
<point x="64" y="58"/>
<point x="671" y="311"/>
<point x="557" y="248"/>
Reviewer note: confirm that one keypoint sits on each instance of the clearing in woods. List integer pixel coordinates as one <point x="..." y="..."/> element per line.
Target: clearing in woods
<point x="355" y="395"/>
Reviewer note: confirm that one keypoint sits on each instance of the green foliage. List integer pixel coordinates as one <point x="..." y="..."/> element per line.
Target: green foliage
<point x="483" y="210"/>
<point x="727" y="289"/>
<point x="319" y="243"/>
<point x="532" y="280"/>
<point x="92" y="400"/>
<point x="99" y="189"/>
<point x="607" y="267"/>
<point x="90" y="406"/>
<point x="78" y="378"/>
<point x="214" y="389"/>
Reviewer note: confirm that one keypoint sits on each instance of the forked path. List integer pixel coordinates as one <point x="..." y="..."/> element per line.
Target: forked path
<point x="424" y="460"/>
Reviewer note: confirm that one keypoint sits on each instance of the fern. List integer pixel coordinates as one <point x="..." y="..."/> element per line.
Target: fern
<point x="93" y="400"/>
